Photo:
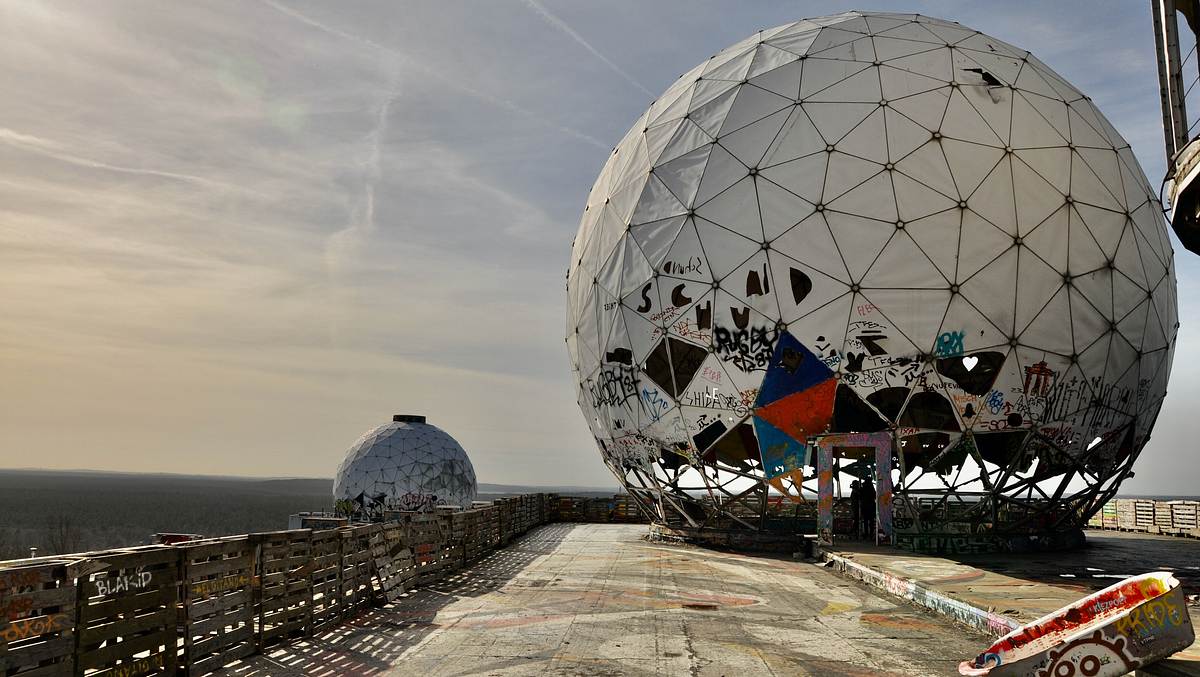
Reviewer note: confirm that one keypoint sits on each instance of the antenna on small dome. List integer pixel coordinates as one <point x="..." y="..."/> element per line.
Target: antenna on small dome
<point x="408" y="418"/>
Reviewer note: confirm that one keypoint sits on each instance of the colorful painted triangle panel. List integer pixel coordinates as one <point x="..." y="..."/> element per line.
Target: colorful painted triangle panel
<point x="780" y="453"/>
<point x="804" y="413"/>
<point x="793" y="368"/>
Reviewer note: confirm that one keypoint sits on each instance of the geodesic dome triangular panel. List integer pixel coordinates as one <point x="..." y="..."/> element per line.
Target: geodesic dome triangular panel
<point x="873" y="221"/>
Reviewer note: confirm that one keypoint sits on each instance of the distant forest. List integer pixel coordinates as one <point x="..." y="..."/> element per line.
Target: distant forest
<point x="72" y="511"/>
<point x="59" y="512"/>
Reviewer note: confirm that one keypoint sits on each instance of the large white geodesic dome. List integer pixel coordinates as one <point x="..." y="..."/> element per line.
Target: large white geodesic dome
<point x="407" y="464"/>
<point x="873" y="222"/>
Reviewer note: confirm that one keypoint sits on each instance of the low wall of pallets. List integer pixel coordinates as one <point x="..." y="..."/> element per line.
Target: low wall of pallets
<point x="1172" y="518"/>
<point x="192" y="608"/>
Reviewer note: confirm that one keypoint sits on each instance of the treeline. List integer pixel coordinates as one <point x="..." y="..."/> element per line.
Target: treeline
<point x="59" y="512"/>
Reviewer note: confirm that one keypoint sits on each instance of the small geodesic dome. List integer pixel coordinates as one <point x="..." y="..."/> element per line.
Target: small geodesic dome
<point x="883" y="224"/>
<point x="407" y="464"/>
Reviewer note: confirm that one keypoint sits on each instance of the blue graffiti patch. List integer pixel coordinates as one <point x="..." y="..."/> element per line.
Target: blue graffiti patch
<point x="780" y="453"/>
<point x="793" y="368"/>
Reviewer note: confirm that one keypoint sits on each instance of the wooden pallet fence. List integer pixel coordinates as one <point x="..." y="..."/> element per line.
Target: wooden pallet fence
<point x="326" y="579"/>
<point x="1183" y="514"/>
<point x="393" y="558"/>
<point x="427" y="543"/>
<point x="357" y="568"/>
<point x="127" y="613"/>
<point x="195" y="607"/>
<point x="454" y="530"/>
<point x="475" y="538"/>
<point x="218" y="603"/>
<point x="503" y="521"/>
<point x="1162" y="517"/>
<point x="490" y="527"/>
<point x="1146" y="514"/>
<point x="37" y="620"/>
<point x="283" y="596"/>
<point x="1109" y="515"/>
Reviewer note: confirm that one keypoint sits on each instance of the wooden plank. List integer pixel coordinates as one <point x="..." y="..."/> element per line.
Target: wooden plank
<point x="59" y="650"/>
<point x="37" y="619"/>
<point x="129" y="607"/>
<point x="219" y="588"/>
<point x="393" y="560"/>
<point x="284" y="599"/>
<point x="357" y="567"/>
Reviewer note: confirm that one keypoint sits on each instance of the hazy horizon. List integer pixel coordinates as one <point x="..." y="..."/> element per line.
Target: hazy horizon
<point x="238" y="235"/>
<point x="283" y="478"/>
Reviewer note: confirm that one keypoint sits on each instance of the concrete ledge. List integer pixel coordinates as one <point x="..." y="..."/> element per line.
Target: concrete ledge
<point x="736" y="539"/>
<point x="907" y="589"/>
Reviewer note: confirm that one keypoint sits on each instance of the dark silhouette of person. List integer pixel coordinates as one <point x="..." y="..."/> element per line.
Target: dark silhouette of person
<point x="856" y="507"/>
<point x="867" y="495"/>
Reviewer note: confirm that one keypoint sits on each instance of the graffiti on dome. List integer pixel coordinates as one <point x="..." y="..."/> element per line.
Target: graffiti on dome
<point x="909" y="295"/>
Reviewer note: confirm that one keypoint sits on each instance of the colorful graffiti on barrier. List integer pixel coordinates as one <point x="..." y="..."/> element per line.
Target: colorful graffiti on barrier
<point x="34" y="627"/>
<point x="825" y="494"/>
<point x="1111" y="632"/>
<point x="883" y="492"/>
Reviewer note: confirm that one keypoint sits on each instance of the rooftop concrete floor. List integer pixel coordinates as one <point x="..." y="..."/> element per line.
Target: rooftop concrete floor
<point x="591" y="599"/>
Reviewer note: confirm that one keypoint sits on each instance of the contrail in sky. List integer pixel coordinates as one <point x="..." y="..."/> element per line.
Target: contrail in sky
<point x="438" y="76"/>
<point x="52" y="149"/>
<point x="362" y="221"/>
<point x="565" y="28"/>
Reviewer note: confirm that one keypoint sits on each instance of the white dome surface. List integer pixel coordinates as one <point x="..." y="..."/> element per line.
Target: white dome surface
<point x="406" y="465"/>
<point x="872" y="222"/>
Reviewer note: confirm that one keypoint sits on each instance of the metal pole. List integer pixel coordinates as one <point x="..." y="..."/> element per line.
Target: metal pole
<point x="1170" y="76"/>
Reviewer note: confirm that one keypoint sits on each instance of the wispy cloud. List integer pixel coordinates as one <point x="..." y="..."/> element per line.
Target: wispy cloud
<point x="340" y="245"/>
<point x="55" y="150"/>
<point x="446" y="79"/>
<point x="234" y="236"/>
<point x="574" y="35"/>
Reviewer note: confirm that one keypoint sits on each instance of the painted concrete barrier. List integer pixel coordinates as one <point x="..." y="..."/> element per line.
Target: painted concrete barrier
<point x="907" y="589"/>
<point x="970" y="615"/>
<point x="1106" y="634"/>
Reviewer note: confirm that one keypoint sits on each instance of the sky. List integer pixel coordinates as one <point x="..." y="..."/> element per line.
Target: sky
<point x="234" y="236"/>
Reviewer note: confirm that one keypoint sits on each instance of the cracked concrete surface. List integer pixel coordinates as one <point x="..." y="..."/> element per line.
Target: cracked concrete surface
<point x="593" y="599"/>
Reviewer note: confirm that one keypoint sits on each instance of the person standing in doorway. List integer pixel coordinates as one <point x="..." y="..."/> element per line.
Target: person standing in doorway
<point x="856" y="507"/>
<point x="867" y="494"/>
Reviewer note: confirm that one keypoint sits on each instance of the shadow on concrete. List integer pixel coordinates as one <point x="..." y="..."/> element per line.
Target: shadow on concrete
<point x="372" y="642"/>
<point x="1108" y="557"/>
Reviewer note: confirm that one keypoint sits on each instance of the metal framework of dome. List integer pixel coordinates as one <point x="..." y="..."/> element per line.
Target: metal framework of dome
<point x="875" y="232"/>
<point x="407" y="464"/>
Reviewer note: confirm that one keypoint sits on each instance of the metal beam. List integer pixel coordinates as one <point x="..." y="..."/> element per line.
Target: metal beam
<point x="1170" y="77"/>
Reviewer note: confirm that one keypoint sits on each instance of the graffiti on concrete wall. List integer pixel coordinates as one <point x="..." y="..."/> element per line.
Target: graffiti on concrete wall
<point x="1109" y="633"/>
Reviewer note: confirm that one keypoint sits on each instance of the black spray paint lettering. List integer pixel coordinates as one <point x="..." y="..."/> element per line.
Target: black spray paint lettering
<point x="614" y="386"/>
<point x="704" y="315"/>
<point x="801" y="285"/>
<point x="678" y="298"/>
<point x="692" y="265"/>
<point x="756" y="286"/>
<point x="621" y="355"/>
<point x="758" y="283"/>
<point x="748" y="349"/>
